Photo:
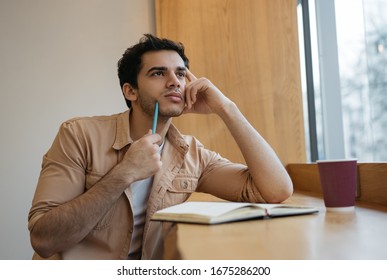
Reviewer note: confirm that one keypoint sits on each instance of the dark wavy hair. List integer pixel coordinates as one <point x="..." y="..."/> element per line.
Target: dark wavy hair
<point x="131" y="61"/>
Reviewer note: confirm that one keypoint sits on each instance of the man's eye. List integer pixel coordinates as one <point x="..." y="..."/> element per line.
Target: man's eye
<point x="181" y="74"/>
<point x="158" y="73"/>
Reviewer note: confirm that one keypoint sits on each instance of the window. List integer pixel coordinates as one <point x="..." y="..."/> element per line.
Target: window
<point x="345" y="89"/>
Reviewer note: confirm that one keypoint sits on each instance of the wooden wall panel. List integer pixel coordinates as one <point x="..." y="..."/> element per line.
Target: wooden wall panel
<point x="249" y="50"/>
<point x="372" y="178"/>
<point x="305" y="177"/>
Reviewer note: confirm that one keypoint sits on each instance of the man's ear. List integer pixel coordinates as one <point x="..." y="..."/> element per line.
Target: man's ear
<point x="129" y="92"/>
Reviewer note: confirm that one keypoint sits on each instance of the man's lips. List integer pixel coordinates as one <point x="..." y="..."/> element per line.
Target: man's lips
<point x="176" y="96"/>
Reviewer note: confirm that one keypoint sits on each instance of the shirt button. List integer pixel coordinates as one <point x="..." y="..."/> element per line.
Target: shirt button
<point x="184" y="184"/>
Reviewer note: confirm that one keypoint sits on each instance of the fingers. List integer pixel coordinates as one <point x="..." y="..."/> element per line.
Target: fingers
<point x="190" y="96"/>
<point x="149" y="142"/>
<point x="191" y="89"/>
<point x="152" y="161"/>
<point x="153" y="138"/>
<point x="143" y="157"/>
<point x="190" y="77"/>
<point x="201" y="96"/>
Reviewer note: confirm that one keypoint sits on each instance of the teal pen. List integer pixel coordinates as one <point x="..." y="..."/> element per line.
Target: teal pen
<point x="156" y="114"/>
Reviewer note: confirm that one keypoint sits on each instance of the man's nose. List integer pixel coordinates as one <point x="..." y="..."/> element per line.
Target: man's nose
<point x="173" y="81"/>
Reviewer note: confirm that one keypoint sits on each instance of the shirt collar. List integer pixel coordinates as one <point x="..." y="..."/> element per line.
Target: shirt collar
<point x="123" y="134"/>
<point x="177" y="140"/>
<point x="122" y="131"/>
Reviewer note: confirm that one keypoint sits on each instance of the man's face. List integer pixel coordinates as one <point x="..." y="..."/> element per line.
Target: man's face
<point x="162" y="79"/>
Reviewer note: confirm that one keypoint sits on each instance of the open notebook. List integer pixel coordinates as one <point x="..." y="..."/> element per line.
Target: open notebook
<point x="223" y="212"/>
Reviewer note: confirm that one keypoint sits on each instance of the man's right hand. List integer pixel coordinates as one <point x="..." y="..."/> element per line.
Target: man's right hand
<point x="142" y="159"/>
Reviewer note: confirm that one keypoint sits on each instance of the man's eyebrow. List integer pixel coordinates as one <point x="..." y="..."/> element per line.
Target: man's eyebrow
<point x="163" y="68"/>
<point x="157" y="68"/>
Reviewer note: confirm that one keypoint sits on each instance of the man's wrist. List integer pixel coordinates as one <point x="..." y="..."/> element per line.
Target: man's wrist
<point x="116" y="177"/>
<point x="228" y="110"/>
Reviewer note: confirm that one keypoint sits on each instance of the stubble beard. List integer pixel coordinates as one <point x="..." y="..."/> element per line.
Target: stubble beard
<point x="147" y="105"/>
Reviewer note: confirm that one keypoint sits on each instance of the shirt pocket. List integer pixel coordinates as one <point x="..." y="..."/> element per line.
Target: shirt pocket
<point x="91" y="179"/>
<point x="180" y="190"/>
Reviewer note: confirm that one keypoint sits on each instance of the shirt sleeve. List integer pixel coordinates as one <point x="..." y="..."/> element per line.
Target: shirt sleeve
<point x="227" y="180"/>
<point x="62" y="177"/>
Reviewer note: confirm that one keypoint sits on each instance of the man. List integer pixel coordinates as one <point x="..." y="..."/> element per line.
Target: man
<point x="104" y="177"/>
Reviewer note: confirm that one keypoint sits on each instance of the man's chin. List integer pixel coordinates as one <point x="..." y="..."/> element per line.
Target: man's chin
<point x="172" y="113"/>
<point x="177" y="114"/>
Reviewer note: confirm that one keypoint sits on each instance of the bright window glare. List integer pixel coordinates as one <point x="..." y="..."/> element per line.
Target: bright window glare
<point x="361" y="37"/>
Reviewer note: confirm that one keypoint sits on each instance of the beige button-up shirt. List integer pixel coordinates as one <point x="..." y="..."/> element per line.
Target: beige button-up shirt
<point x="85" y="149"/>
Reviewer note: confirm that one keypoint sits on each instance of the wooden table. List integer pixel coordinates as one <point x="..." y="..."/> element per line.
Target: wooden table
<point x="359" y="234"/>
